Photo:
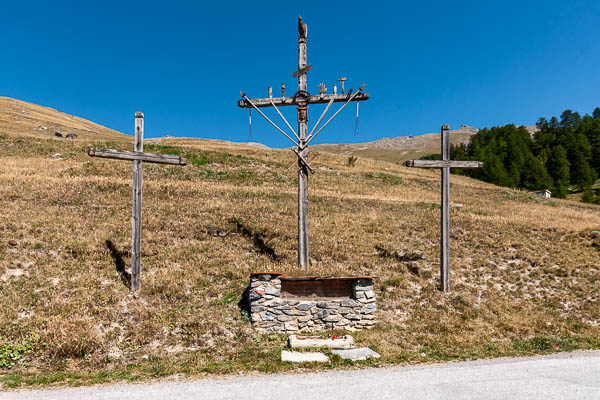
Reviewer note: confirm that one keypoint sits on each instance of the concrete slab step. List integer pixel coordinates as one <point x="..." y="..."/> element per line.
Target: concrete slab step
<point x="297" y="357"/>
<point x="356" y="354"/>
<point x="303" y="342"/>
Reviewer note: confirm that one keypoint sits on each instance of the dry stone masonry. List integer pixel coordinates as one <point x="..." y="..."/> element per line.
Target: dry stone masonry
<point x="306" y="304"/>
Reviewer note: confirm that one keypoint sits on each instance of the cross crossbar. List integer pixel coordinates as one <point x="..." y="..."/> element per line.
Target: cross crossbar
<point x="292" y="101"/>
<point x="443" y="164"/>
<point x="302" y="71"/>
<point x="134" y="155"/>
<point x="303" y="160"/>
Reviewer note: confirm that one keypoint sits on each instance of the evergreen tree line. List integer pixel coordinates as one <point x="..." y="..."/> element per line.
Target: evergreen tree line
<point x="562" y="156"/>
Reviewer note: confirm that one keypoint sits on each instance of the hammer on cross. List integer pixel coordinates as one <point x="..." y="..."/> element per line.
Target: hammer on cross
<point x="342" y="80"/>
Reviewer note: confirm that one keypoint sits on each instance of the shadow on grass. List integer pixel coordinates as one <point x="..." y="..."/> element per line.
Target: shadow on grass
<point x="119" y="263"/>
<point x="258" y="239"/>
<point x="244" y="304"/>
<point x="401" y="257"/>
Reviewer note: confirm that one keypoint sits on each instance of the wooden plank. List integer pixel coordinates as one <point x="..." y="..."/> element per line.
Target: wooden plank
<point x="443" y="164"/>
<point x="136" y="213"/>
<point x="313" y="277"/>
<point x="137" y="156"/>
<point x="317" y="289"/>
<point x="302" y="116"/>
<point x="304" y="162"/>
<point x="321" y="278"/>
<point x="445" y="215"/>
<point x="302" y="70"/>
<point x="314" y="99"/>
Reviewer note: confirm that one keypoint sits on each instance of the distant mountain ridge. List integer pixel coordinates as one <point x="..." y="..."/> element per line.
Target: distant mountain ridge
<point x="401" y="148"/>
<point x="22" y="118"/>
<point x="462" y="135"/>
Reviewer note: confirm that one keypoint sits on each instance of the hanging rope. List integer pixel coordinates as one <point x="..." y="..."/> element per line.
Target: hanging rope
<point x="356" y="125"/>
<point x="250" y="124"/>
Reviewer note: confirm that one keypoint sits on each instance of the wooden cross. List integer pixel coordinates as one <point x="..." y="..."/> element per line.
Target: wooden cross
<point x="302" y="139"/>
<point x="137" y="156"/>
<point x="445" y="164"/>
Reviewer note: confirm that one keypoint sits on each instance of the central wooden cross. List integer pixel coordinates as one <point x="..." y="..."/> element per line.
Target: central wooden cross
<point x="137" y="156"/>
<point x="444" y="164"/>
<point x="301" y="99"/>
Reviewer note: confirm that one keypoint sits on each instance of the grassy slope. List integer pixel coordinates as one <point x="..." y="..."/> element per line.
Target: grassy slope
<point x="29" y="120"/>
<point x="525" y="270"/>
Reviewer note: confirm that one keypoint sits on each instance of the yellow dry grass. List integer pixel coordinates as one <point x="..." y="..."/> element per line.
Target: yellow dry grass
<point x="32" y="120"/>
<point x="525" y="270"/>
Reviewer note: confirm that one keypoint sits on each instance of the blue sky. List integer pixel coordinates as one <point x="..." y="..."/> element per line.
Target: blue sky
<point x="481" y="63"/>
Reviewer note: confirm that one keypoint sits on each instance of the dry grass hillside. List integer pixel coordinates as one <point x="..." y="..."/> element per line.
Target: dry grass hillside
<point x="402" y="148"/>
<point x="30" y="120"/>
<point x="525" y="270"/>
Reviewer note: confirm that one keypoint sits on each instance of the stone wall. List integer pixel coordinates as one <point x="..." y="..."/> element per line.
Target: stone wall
<point x="269" y="312"/>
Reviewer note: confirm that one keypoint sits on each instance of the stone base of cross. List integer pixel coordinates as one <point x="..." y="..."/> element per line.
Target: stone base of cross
<point x="137" y="156"/>
<point x="444" y="164"/>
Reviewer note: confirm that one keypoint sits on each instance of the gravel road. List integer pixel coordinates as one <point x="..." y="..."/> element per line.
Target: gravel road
<point x="565" y="376"/>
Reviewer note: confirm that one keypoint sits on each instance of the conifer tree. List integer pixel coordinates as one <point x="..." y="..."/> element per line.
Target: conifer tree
<point x="558" y="168"/>
<point x="563" y="153"/>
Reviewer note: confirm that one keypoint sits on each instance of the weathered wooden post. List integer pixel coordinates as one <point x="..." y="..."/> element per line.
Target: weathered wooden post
<point x="445" y="209"/>
<point x="137" y="156"/>
<point x="302" y="112"/>
<point x="445" y="164"/>
<point x="302" y="139"/>
<point x="136" y="210"/>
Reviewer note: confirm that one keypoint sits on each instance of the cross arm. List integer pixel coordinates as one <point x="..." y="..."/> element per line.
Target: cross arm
<point x="291" y="101"/>
<point x="302" y="70"/>
<point x="303" y="160"/>
<point x="134" y="155"/>
<point x="443" y="164"/>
